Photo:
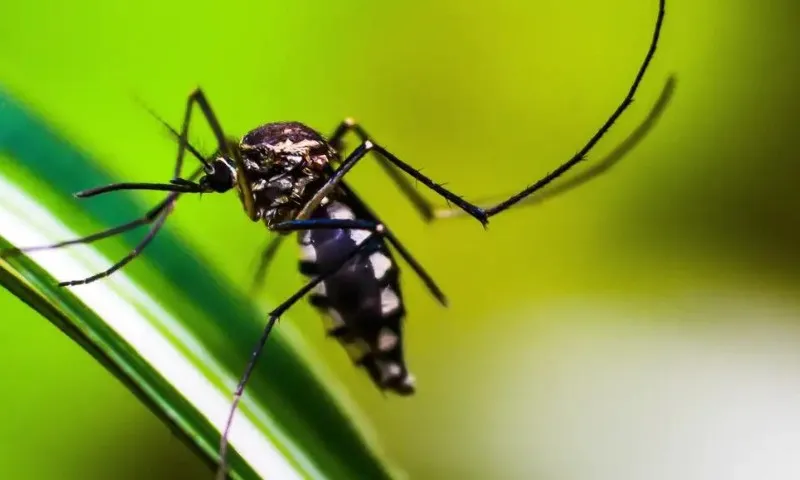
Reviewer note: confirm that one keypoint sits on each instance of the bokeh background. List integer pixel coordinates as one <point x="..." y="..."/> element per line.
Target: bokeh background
<point x="642" y="327"/>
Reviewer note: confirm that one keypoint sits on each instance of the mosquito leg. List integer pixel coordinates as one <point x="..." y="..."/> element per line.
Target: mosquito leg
<point x="182" y="140"/>
<point x="470" y="209"/>
<point x="183" y="144"/>
<point x="333" y="181"/>
<point x="357" y="155"/>
<point x="328" y="224"/>
<point x="184" y="187"/>
<point x="157" y="224"/>
<point x="158" y="214"/>
<point x="227" y="147"/>
<point x="483" y="215"/>
<point x="146" y="219"/>
<point x="345" y="126"/>
<point x="365" y="212"/>
<point x="198" y="97"/>
<point x="598" y="168"/>
<point x="581" y="155"/>
<point x="423" y="207"/>
<point x="376" y="230"/>
<point x="266" y="258"/>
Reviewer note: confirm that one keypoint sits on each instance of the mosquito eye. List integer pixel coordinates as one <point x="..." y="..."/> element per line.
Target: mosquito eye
<point x="220" y="179"/>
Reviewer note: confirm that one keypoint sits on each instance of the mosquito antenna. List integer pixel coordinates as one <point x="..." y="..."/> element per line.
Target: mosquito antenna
<point x="195" y="153"/>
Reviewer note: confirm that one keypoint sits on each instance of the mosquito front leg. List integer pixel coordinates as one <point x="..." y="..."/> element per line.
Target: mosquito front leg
<point x="157" y="224"/>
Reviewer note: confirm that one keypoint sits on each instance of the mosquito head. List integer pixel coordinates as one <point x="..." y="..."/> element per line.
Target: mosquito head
<point x="220" y="178"/>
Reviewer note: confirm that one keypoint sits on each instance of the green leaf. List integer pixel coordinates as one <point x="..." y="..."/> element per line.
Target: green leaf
<point x="173" y="331"/>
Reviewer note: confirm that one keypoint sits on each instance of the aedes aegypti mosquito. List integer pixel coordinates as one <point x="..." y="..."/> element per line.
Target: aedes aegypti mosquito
<point x="284" y="175"/>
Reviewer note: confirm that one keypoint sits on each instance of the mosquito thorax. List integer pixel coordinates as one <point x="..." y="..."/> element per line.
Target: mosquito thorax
<point x="285" y="163"/>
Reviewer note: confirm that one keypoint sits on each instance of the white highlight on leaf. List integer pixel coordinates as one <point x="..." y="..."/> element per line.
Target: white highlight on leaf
<point x="23" y="222"/>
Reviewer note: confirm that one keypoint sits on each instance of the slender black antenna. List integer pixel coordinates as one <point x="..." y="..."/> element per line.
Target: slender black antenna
<point x="196" y="154"/>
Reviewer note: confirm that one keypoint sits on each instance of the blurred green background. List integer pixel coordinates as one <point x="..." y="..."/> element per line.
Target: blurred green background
<point x="644" y="326"/>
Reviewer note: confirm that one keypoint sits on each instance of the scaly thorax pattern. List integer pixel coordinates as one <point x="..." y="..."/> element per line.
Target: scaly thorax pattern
<point x="285" y="164"/>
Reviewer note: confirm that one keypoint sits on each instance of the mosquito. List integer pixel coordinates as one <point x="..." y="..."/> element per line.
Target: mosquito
<point x="290" y="177"/>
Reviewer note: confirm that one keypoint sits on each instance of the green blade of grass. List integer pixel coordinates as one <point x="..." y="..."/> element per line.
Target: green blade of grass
<point x="179" y="344"/>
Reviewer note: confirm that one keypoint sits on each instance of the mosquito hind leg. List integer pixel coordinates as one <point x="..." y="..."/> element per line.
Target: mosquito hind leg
<point x="483" y="214"/>
<point x="598" y="169"/>
<point x="600" y="133"/>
